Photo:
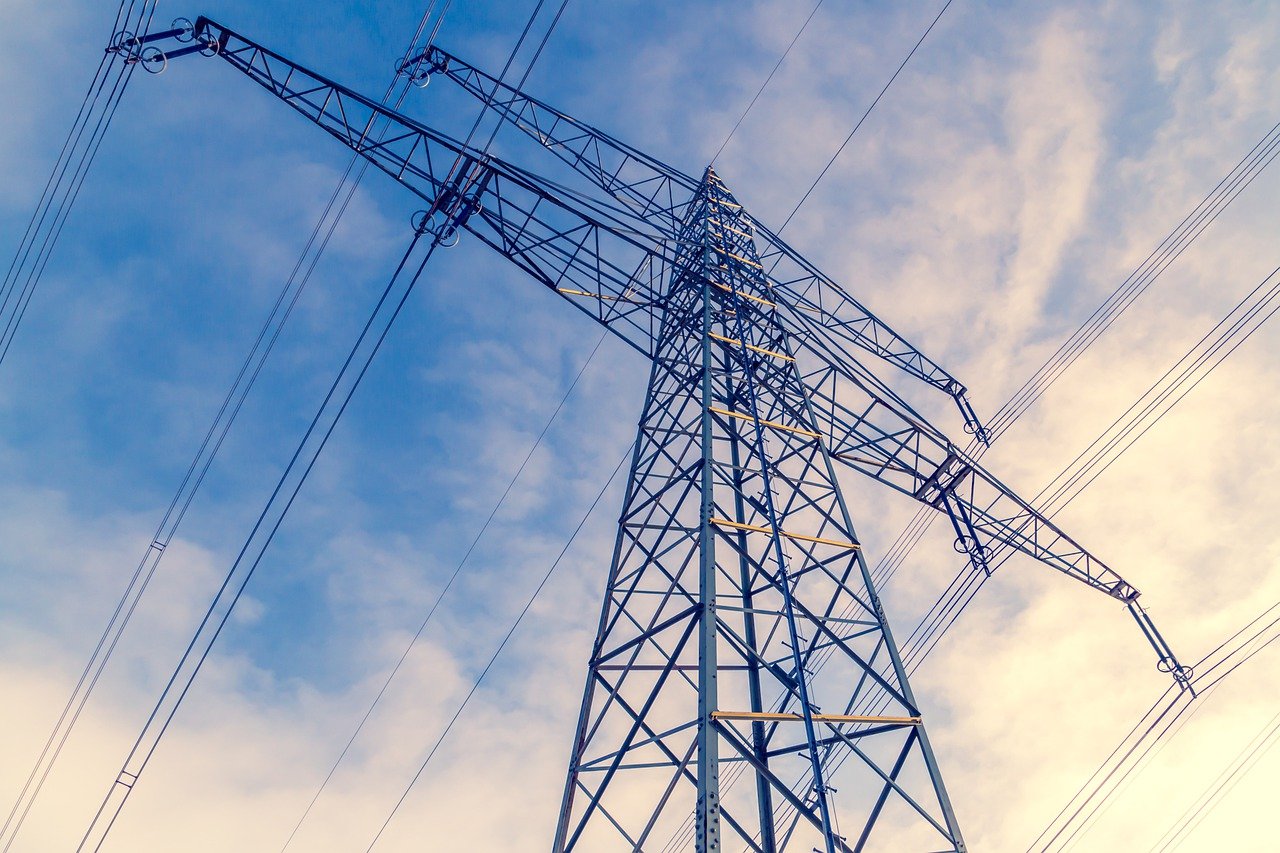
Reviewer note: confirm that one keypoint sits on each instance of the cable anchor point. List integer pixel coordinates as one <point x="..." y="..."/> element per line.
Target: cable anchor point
<point x="1167" y="662"/>
<point x="418" y="73"/>
<point x="142" y="49"/>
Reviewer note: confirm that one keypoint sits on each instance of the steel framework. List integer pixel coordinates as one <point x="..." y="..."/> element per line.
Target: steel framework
<point x="741" y="636"/>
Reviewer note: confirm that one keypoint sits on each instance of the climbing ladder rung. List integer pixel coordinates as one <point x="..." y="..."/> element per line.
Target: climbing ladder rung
<point x="771" y="424"/>
<point x="751" y="347"/>
<point x="741" y="259"/>
<point x="719" y="224"/>
<point x="568" y="291"/>
<point x="727" y="289"/>
<point x="755" y="528"/>
<point x="770" y="717"/>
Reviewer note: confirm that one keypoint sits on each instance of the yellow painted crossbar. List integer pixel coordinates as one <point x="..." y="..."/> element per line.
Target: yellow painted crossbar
<point x="774" y="424"/>
<point x="754" y="528"/>
<point x="719" y="224"/>
<point x="768" y="717"/>
<point x="741" y="259"/>
<point x="751" y="347"/>
<point x="728" y="289"/>
<point x="737" y="231"/>
<point x="569" y="291"/>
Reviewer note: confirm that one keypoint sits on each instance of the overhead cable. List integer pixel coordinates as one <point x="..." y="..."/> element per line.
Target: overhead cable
<point x="1241" y="323"/>
<point x="767" y="80"/>
<point x="1248" y="758"/>
<point x="66" y="179"/>
<point x="435" y="604"/>
<point x="1159" y="725"/>
<point x="312" y="443"/>
<point x="250" y="369"/>
<point x="1117" y="302"/>
<point x="502" y="645"/>
<point x="840" y="150"/>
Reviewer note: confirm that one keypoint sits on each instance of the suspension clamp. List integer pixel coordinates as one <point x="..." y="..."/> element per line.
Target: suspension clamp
<point x="419" y="68"/>
<point x="143" y="49"/>
<point x="456" y="202"/>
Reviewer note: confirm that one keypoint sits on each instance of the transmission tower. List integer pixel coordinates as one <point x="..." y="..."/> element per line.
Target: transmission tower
<point x="744" y="690"/>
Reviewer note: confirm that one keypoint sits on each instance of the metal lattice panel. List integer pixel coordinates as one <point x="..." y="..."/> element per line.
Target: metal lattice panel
<point x="737" y="571"/>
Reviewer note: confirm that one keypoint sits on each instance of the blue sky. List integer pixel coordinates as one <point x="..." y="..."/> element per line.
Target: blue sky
<point x="1025" y="162"/>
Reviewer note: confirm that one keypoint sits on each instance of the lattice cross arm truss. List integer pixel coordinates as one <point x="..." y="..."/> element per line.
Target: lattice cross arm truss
<point x="613" y="256"/>
<point x="573" y="244"/>
<point x="660" y="194"/>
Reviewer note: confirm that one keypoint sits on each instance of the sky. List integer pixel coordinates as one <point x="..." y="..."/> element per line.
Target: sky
<point x="1029" y="157"/>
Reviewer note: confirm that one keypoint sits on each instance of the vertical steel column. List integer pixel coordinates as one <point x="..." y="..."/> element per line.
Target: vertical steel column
<point x="708" y="805"/>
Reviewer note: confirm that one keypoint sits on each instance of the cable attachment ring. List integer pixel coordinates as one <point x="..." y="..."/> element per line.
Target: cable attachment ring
<point x="153" y="60"/>
<point x="134" y="50"/>
<point x="418" y="71"/>
<point x="144" y="49"/>
<point x="978" y="431"/>
<point x="186" y="30"/>
<point x="438" y="226"/>
<point x="127" y="45"/>
<point x="972" y="547"/>
<point x="1181" y="674"/>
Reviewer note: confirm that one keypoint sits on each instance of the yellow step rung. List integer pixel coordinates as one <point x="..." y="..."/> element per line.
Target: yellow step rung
<point x="569" y="291"/>
<point x="773" y="424"/>
<point x="751" y="347"/>
<point x="741" y="259"/>
<point x="766" y="716"/>
<point x="727" y="289"/>
<point x="753" y="528"/>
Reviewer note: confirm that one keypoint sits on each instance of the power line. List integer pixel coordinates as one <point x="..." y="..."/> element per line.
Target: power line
<point x="1232" y="653"/>
<point x="445" y="590"/>
<point x="219" y="428"/>
<point x="1147" y="273"/>
<point x="848" y="138"/>
<point x="767" y="80"/>
<point x="524" y="611"/>
<point x="1249" y="314"/>
<point x="312" y="443"/>
<point x="520" y="469"/>
<point x="228" y="595"/>
<point x="1169" y="250"/>
<point x="61" y="192"/>
<point x="1217" y="791"/>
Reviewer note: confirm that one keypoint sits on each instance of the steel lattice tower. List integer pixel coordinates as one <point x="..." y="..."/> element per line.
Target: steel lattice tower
<point x="740" y="632"/>
<point x="744" y="690"/>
